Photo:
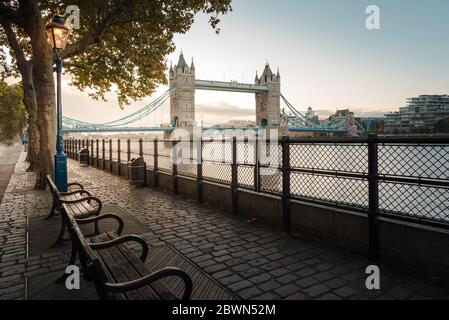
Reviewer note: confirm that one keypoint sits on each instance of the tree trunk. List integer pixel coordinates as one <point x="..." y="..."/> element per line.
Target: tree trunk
<point x="46" y="120"/>
<point x="29" y="98"/>
<point x="44" y="87"/>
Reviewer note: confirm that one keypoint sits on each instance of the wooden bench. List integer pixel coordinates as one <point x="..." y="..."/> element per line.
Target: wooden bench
<point x="76" y="189"/>
<point x="116" y="271"/>
<point x="80" y="204"/>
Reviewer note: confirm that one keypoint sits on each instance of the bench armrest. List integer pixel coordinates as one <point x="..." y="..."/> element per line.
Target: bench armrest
<point x="80" y="191"/>
<point x="76" y="184"/>
<point x="103" y="217"/>
<point x="120" y="240"/>
<point x="146" y="280"/>
<point x="85" y="199"/>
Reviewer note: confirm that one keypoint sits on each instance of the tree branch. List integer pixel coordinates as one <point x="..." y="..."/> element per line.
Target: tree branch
<point x="97" y="35"/>
<point x="11" y="15"/>
<point x="22" y="62"/>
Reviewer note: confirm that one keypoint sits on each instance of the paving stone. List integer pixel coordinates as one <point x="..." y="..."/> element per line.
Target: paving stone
<point x="240" y="285"/>
<point x="323" y="276"/>
<point x="260" y="278"/>
<point x="278" y="272"/>
<point x="230" y="280"/>
<point x="296" y="296"/>
<point x="266" y="296"/>
<point x="329" y="296"/>
<point x="345" y="292"/>
<point x="288" y="278"/>
<point x="305" y="272"/>
<point x="287" y="290"/>
<point x="249" y="293"/>
<point x="335" y="283"/>
<point x="316" y="290"/>
<point x="307" y="282"/>
<point x="269" y="285"/>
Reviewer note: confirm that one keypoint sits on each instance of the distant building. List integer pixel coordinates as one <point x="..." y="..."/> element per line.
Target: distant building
<point x="420" y="114"/>
<point x="345" y="118"/>
<point x="236" y="124"/>
<point x="311" y="116"/>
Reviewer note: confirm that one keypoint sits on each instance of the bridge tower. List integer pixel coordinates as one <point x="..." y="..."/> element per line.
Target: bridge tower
<point x="268" y="104"/>
<point x="182" y="96"/>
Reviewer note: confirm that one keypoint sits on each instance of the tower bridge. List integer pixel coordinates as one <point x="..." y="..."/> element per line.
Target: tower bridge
<point x="181" y="95"/>
<point x="183" y="84"/>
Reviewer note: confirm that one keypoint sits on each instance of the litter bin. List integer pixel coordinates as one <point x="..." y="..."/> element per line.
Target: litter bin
<point x="83" y="157"/>
<point x="136" y="171"/>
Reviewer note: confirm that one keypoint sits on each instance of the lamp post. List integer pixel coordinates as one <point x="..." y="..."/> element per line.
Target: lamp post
<point x="58" y="34"/>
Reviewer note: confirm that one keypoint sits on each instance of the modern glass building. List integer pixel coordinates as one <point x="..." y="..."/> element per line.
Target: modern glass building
<point x="421" y="112"/>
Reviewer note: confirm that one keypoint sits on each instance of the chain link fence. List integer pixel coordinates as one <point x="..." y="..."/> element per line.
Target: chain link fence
<point x="404" y="178"/>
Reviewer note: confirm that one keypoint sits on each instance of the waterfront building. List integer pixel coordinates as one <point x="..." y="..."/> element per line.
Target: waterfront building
<point x="420" y="114"/>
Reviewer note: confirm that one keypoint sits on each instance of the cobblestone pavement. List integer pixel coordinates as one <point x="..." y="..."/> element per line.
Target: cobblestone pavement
<point x="8" y="159"/>
<point x="251" y="260"/>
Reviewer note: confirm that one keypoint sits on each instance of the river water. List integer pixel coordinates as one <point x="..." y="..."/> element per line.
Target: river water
<point x="411" y="161"/>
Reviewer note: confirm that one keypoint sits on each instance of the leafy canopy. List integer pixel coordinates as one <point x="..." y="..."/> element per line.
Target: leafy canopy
<point x="123" y="44"/>
<point x="12" y="111"/>
<point x="442" y="126"/>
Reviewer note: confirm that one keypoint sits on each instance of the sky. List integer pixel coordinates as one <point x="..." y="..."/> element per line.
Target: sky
<point x="327" y="58"/>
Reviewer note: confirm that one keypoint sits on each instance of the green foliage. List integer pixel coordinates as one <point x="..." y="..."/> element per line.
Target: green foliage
<point x="121" y="45"/>
<point x="442" y="126"/>
<point x="129" y="55"/>
<point x="12" y="111"/>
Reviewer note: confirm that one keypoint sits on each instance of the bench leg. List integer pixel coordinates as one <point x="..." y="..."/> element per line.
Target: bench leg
<point x="72" y="261"/>
<point x="97" y="229"/>
<point x="60" y="241"/>
<point x="53" y="209"/>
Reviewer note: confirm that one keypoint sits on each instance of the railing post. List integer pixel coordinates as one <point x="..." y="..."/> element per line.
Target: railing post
<point x="92" y="152"/>
<point x="144" y="163"/>
<point x="199" y="169"/>
<point x="256" y="165"/>
<point x="373" y="193"/>
<point x="141" y="148"/>
<point x="174" y="151"/>
<point x="286" y="210"/>
<point x="128" y="151"/>
<point x="234" y="179"/>
<point x="119" y="157"/>
<point x="110" y="155"/>
<point x="98" y="153"/>
<point x="103" y="152"/>
<point x="155" y="164"/>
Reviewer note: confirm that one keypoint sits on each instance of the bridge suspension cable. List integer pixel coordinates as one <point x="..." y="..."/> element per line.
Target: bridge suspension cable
<point x="133" y="117"/>
<point x="297" y="120"/>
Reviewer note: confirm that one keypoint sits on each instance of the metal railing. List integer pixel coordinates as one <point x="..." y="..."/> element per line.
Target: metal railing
<point x="405" y="178"/>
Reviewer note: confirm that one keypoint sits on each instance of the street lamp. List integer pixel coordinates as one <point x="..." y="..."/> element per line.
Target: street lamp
<point x="58" y="34"/>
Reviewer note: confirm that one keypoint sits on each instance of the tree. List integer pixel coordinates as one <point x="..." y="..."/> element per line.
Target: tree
<point x="442" y="126"/>
<point x="22" y="66"/>
<point x="121" y="44"/>
<point x="12" y="111"/>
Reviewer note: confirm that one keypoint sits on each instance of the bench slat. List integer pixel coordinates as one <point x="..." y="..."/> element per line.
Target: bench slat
<point x="78" y="209"/>
<point x="120" y="269"/>
<point x="163" y="292"/>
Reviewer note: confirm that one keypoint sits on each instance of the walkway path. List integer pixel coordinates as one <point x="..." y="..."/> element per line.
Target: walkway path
<point x="251" y="260"/>
<point x="8" y="159"/>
